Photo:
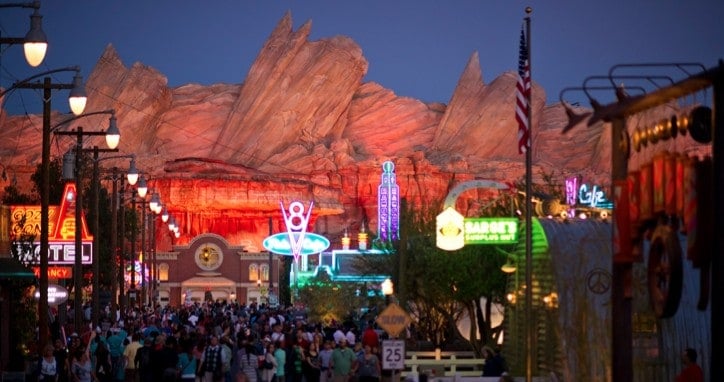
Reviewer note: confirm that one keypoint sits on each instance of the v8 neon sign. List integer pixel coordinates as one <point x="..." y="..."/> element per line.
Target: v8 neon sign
<point x="296" y="222"/>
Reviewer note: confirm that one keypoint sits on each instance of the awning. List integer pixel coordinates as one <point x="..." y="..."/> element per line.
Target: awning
<point x="12" y="269"/>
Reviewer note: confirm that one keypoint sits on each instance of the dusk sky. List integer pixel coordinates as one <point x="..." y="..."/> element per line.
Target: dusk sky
<point x="416" y="48"/>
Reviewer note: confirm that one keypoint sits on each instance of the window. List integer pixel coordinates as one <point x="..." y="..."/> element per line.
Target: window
<point x="163" y="272"/>
<point x="264" y="272"/>
<point x="253" y="272"/>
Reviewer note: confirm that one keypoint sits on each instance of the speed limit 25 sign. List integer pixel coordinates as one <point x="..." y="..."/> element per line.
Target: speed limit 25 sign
<point x="393" y="354"/>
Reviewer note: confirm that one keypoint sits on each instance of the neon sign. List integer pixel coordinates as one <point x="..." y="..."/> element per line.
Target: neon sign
<point x="296" y="223"/>
<point x="311" y="244"/>
<point x="59" y="253"/>
<point x="454" y="231"/>
<point x="491" y="230"/>
<point x="56" y="272"/>
<point x="25" y="222"/>
<point x="593" y="197"/>
<point x="388" y="204"/>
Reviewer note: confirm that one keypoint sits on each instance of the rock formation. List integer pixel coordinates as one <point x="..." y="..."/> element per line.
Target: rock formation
<point x="304" y="126"/>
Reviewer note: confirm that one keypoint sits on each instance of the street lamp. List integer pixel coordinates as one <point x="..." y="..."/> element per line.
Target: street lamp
<point x="96" y="226"/>
<point x="112" y="138"/>
<point x="142" y="190"/>
<point x="35" y="43"/>
<point x="117" y="284"/>
<point x="77" y="100"/>
<point x="388" y="289"/>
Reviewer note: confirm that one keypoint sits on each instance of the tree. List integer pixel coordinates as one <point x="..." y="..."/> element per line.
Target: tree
<point x="327" y="300"/>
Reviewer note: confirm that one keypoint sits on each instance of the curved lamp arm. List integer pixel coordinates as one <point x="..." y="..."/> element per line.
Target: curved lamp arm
<point x="35" y="42"/>
<point x="132" y="174"/>
<point x="113" y="134"/>
<point x="77" y="97"/>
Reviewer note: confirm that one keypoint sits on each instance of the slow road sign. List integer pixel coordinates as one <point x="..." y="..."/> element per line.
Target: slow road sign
<point x="393" y="320"/>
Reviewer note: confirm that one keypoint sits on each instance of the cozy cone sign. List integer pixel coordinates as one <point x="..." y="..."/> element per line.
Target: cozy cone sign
<point x="25" y="223"/>
<point x="393" y="320"/>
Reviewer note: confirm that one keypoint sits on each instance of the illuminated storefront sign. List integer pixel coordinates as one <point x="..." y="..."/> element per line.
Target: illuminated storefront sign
<point x="455" y="231"/>
<point x="585" y="195"/>
<point x="56" y="272"/>
<point x="449" y="230"/>
<point x="491" y="230"/>
<point x="296" y="241"/>
<point x="59" y="253"/>
<point x="25" y="226"/>
<point x="311" y="244"/>
<point x="56" y="294"/>
<point x="388" y="204"/>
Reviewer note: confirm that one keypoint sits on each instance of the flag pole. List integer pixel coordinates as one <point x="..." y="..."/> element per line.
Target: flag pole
<point x="528" y="218"/>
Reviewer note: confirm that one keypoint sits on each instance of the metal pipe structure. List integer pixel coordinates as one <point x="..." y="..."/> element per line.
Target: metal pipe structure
<point x="617" y="114"/>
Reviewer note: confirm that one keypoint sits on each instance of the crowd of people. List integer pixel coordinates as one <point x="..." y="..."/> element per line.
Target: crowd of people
<point x="211" y="342"/>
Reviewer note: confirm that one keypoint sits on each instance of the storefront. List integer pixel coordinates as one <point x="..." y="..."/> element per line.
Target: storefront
<point x="210" y="268"/>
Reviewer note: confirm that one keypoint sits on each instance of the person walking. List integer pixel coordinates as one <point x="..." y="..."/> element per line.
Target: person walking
<point x="269" y="365"/>
<point x="211" y="361"/>
<point x="48" y="365"/>
<point x="692" y="371"/>
<point x="368" y="366"/>
<point x="187" y="362"/>
<point x="280" y="356"/>
<point x="342" y="362"/>
<point x="129" y="357"/>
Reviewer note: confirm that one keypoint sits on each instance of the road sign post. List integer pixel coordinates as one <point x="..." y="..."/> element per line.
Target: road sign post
<point x="393" y="320"/>
<point x="393" y="355"/>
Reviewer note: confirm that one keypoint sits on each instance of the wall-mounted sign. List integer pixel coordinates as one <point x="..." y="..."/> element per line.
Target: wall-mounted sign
<point x="491" y="230"/>
<point x="56" y="294"/>
<point x="311" y="244"/>
<point x="25" y="226"/>
<point x="296" y="222"/>
<point x="388" y="204"/>
<point x="585" y="195"/>
<point x="449" y="230"/>
<point x="56" y="272"/>
<point x="454" y="230"/>
<point x="59" y="253"/>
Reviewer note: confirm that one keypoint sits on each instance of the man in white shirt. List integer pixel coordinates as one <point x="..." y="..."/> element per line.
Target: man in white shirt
<point x="351" y="337"/>
<point x="339" y="335"/>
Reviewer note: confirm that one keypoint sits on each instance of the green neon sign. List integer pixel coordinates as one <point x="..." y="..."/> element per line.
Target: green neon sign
<point x="490" y="230"/>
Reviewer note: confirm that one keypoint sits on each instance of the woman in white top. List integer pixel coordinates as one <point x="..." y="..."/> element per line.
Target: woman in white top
<point x="82" y="368"/>
<point x="48" y="370"/>
<point x="269" y="375"/>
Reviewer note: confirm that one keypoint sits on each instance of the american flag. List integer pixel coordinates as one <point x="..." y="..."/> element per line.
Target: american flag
<point x="522" y="94"/>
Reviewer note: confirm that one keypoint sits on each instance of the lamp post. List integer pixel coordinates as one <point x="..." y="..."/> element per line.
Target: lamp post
<point x="388" y="289"/>
<point x="96" y="225"/>
<point x="77" y="100"/>
<point x="132" y="178"/>
<point x="35" y="43"/>
<point x="112" y="138"/>
<point x="146" y="219"/>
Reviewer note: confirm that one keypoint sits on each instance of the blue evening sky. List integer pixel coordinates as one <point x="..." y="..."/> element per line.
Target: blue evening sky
<point x="416" y="48"/>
